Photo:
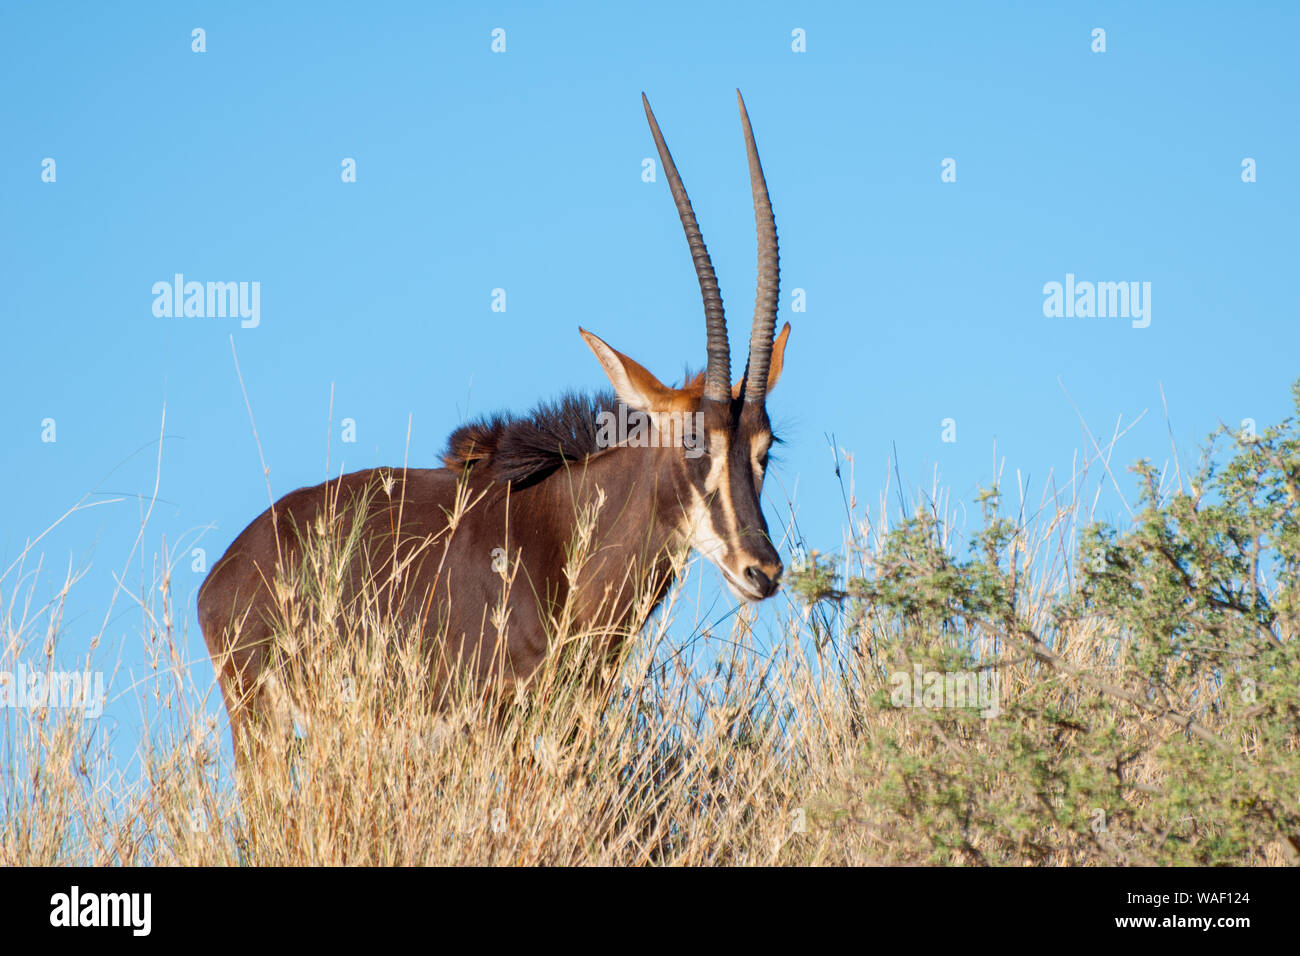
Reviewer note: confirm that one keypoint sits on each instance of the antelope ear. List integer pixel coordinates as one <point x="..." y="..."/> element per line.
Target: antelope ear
<point x="633" y="383"/>
<point x="777" y="363"/>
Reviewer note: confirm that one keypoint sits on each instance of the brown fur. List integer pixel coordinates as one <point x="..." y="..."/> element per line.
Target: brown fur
<point x="529" y="482"/>
<point x="531" y="447"/>
<point x="450" y="585"/>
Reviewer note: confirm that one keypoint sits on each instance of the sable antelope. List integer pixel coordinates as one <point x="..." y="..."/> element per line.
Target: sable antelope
<point x="529" y="480"/>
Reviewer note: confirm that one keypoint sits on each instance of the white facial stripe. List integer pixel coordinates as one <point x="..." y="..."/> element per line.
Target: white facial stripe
<point x="700" y="530"/>
<point x="711" y="546"/>
<point x="759" y="446"/>
<point x="704" y="537"/>
<point x="718" y="449"/>
<point x="720" y="467"/>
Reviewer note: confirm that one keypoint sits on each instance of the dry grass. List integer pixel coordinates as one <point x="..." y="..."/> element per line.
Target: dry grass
<point x="786" y="749"/>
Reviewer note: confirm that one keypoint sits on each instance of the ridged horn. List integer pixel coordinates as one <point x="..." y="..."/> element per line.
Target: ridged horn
<point x="717" y="373"/>
<point x="768" y="292"/>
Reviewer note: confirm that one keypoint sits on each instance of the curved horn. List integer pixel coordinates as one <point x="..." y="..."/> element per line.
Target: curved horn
<point x="717" y="374"/>
<point x="769" y="273"/>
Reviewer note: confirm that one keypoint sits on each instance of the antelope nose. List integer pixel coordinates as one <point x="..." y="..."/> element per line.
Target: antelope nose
<point x="764" y="580"/>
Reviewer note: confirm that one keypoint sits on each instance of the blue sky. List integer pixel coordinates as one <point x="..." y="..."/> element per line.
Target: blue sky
<point x="522" y="170"/>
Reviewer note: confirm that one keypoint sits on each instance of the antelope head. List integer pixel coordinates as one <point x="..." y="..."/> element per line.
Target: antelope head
<point x="725" y="436"/>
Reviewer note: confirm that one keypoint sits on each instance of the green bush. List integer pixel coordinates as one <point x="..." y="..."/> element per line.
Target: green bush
<point x="1148" y="688"/>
